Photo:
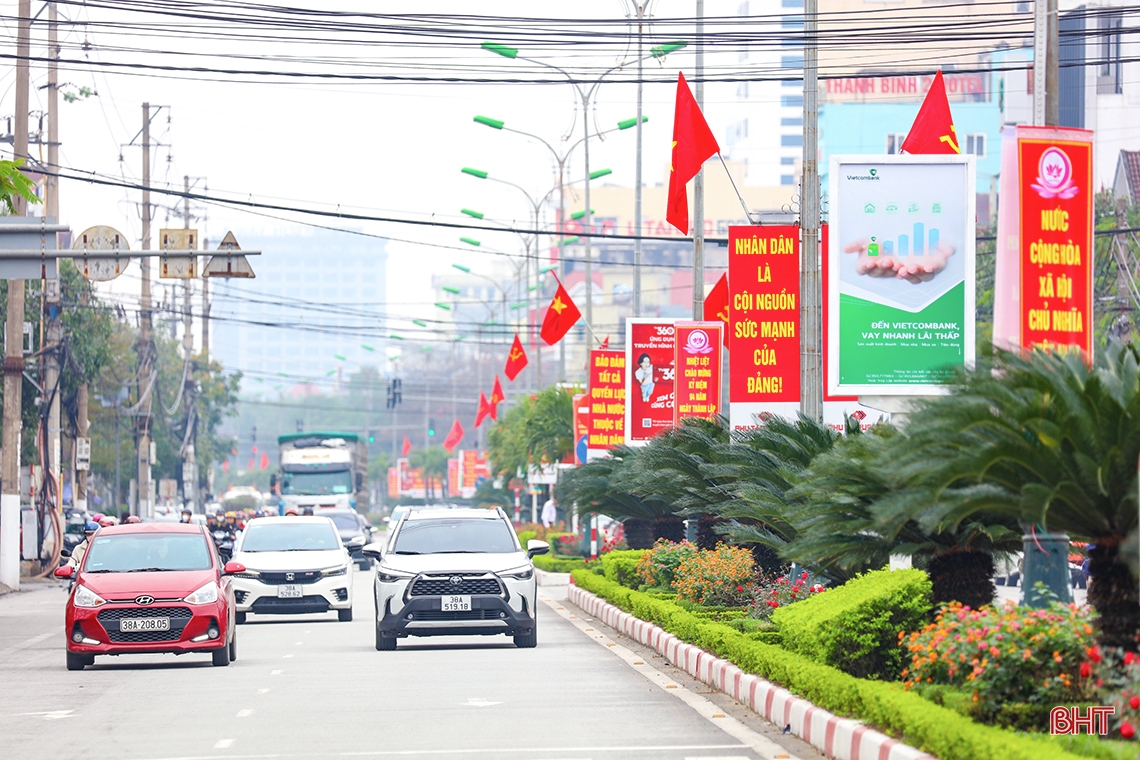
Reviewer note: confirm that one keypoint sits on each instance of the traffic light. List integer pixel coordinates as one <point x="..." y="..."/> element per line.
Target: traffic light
<point x="395" y="393"/>
<point x="431" y="427"/>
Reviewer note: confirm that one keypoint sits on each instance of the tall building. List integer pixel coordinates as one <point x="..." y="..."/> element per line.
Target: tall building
<point x="316" y="295"/>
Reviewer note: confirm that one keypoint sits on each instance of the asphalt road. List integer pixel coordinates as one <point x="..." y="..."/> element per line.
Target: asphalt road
<point x="311" y="687"/>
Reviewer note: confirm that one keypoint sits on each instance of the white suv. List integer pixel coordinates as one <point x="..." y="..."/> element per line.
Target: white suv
<point x="448" y="572"/>
<point x="294" y="565"/>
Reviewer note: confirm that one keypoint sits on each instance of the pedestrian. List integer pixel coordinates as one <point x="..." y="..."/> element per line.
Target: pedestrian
<point x="550" y="511"/>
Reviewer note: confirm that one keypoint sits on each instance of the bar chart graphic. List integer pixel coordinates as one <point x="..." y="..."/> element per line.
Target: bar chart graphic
<point x="925" y="241"/>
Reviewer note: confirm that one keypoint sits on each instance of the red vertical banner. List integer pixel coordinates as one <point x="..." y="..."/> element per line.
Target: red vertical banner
<point x="649" y="359"/>
<point x="764" y="322"/>
<point x="698" y="348"/>
<point x="454" y="481"/>
<point x="393" y="484"/>
<point x="1056" y="194"/>
<point x="606" y="424"/>
<point x="581" y="426"/>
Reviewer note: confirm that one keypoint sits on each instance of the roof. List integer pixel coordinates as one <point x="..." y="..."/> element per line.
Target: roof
<point x="1129" y="164"/>
<point x="153" y="527"/>
<point x="431" y="513"/>
<point x="317" y="434"/>
<point x="289" y="520"/>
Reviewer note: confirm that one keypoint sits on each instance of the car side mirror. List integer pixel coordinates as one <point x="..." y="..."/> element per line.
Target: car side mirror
<point x="354" y="543"/>
<point x="233" y="568"/>
<point x="64" y="572"/>
<point x="375" y="551"/>
<point x="534" y="547"/>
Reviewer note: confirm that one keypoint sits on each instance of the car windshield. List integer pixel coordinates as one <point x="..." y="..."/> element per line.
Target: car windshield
<point x="345" y="522"/>
<point x="316" y="483"/>
<point x="289" y="537"/>
<point x="148" y="551"/>
<point x="452" y="535"/>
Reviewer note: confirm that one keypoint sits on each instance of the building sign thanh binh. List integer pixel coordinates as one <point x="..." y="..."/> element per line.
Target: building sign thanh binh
<point x="904" y="88"/>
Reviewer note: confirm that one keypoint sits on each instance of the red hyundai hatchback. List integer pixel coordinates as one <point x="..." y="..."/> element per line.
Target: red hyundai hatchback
<point x="150" y="588"/>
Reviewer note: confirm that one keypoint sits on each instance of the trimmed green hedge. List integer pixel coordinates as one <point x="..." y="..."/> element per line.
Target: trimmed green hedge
<point x="902" y="714"/>
<point x="526" y="535"/>
<point x="549" y="564"/>
<point x="621" y="566"/>
<point x="855" y="627"/>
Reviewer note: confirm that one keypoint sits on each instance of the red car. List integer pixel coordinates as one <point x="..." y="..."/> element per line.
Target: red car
<point x="150" y="588"/>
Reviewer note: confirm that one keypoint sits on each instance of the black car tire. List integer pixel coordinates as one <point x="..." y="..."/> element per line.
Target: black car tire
<point x="344" y="616"/>
<point x="239" y="618"/>
<point x="233" y="645"/>
<point x="221" y="657"/>
<point x="384" y="643"/>
<point x="77" y="661"/>
<point x="527" y="640"/>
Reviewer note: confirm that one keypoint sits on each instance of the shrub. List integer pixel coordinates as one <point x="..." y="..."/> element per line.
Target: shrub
<point x="620" y="566"/>
<point x="565" y="544"/>
<point x="1004" y="656"/>
<point x="722" y="576"/>
<point x="526" y="535"/>
<point x="902" y="714"/>
<point x="550" y="564"/>
<point x="658" y="566"/>
<point x="771" y="592"/>
<point x="855" y="627"/>
<point x="1117" y="680"/>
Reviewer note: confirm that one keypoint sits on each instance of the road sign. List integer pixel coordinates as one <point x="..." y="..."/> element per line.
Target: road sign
<point x="82" y="453"/>
<point x="101" y="238"/>
<point x="178" y="267"/>
<point x="28" y="244"/>
<point x="228" y="264"/>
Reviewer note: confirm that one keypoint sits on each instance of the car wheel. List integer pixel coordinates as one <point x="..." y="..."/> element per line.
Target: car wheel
<point x="527" y="640"/>
<point x="233" y="645"/>
<point x="77" y="661"/>
<point x="221" y="656"/>
<point x="384" y="643"/>
<point x="239" y="618"/>
<point x="344" y="616"/>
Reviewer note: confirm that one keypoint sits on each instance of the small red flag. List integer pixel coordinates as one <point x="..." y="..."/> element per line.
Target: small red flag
<point x="560" y="316"/>
<point x="264" y="461"/>
<point x="484" y="410"/>
<point x="605" y="343"/>
<point x="933" y="129"/>
<point x="693" y="144"/>
<point x="226" y="466"/>
<point x="516" y="360"/>
<point x="250" y="462"/>
<point x="407" y="447"/>
<point x="454" y="437"/>
<point x="497" y="397"/>
<point x="716" y="304"/>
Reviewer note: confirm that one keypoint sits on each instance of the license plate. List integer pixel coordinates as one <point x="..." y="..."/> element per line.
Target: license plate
<point x="456" y="603"/>
<point x="292" y="591"/>
<point x="144" y="624"/>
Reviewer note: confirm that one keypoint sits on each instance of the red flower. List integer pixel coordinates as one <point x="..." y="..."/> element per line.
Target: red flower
<point x="1127" y="731"/>
<point x="1086" y="670"/>
<point x="1094" y="654"/>
<point x="740" y="588"/>
<point x="804" y="576"/>
<point x="1129" y="658"/>
<point x="1134" y="703"/>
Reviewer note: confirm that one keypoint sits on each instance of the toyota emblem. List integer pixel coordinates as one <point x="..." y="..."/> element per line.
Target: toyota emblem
<point x="456" y="580"/>
<point x="144" y="599"/>
<point x="289" y="576"/>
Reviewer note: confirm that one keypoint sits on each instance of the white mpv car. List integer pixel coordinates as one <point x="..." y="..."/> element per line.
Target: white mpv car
<point x="293" y="565"/>
<point x="448" y="572"/>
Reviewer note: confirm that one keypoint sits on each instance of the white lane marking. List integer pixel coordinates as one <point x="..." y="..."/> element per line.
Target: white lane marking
<point x="224" y="744"/>
<point x="25" y="644"/>
<point x="286" y="657"/>
<point x="276" y="672"/>
<point x="760" y="744"/>
<point x="52" y="714"/>
<point x="511" y="751"/>
<point x="263" y="691"/>
<point x="244" y="713"/>
<point x="478" y="702"/>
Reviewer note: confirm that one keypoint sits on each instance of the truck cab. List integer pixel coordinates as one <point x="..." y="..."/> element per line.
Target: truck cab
<point x="322" y="470"/>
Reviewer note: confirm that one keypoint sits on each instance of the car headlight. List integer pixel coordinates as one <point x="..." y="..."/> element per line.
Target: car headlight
<point x="85" y="597"/>
<point x="388" y="575"/>
<point x="338" y="570"/>
<point x="524" y="573"/>
<point x="208" y="594"/>
<point x="251" y="575"/>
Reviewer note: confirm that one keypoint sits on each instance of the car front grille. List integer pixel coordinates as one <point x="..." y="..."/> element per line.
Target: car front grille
<point x="439" y="586"/>
<point x="109" y="619"/>
<point x="437" y="615"/>
<point x="274" y="579"/>
<point x="269" y="606"/>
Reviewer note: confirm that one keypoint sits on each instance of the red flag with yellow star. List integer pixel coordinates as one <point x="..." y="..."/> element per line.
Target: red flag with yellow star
<point x="693" y="144"/>
<point x="560" y="317"/>
<point x="497" y="396"/>
<point x="516" y="360"/>
<point x="933" y="129"/>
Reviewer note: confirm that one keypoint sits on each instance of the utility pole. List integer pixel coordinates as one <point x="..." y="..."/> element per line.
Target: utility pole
<point x="587" y="225"/>
<point x="811" y="369"/>
<point x="52" y="287"/>
<point x="14" y="332"/>
<point x="699" y="185"/>
<point x="1052" y="68"/>
<point x="189" y="455"/>
<point x="146" y="352"/>
<point x="640" y="6"/>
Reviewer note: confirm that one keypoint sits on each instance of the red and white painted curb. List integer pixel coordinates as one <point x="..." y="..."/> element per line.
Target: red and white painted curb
<point x="836" y="737"/>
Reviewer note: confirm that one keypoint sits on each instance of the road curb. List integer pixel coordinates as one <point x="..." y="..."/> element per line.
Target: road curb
<point x="839" y="738"/>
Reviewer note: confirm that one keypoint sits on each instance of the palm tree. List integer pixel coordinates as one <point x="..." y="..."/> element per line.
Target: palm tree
<point x="1052" y="442"/>
<point x="603" y="486"/>
<point x="433" y="461"/>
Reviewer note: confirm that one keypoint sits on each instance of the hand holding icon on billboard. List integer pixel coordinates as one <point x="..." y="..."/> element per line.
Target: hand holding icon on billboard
<point x="915" y="269"/>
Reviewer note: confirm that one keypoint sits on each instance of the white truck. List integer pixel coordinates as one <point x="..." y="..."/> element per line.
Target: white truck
<point x="325" y="469"/>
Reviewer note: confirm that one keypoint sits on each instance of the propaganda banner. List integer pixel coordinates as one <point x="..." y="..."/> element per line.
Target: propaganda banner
<point x="764" y="323"/>
<point x="650" y="357"/>
<point x="901" y="273"/>
<point x="581" y="404"/>
<point x="393" y="484"/>
<point x="454" y="488"/>
<point x="472" y="469"/>
<point x="1055" y="189"/>
<point x="698" y="362"/>
<point x="606" y="420"/>
<point x="411" y="481"/>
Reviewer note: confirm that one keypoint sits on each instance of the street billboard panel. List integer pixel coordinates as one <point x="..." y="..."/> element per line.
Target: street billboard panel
<point x="606" y="420"/>
<point x="581" y="404"/>
<point x="393" y="484"/>
<point x="650" y="358"/>
<point x="901" y="271"/>
<point x="472" y="470"/>
<point x="411" y="481"/>
<point x="454" y="488"/>
<point x="764" y="323"/>
<point x="698" y="362"/>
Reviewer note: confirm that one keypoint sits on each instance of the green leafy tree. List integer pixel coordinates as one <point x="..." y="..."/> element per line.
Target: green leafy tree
<point x="15" y="184"/>
<point x="433" y="461"/>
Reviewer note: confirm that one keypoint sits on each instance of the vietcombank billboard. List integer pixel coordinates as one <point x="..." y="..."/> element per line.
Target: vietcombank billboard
<point x="901" y="273"/>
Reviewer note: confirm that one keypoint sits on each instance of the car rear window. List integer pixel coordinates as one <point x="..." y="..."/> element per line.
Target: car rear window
<point x="152" y="552"/>
<point x="473" y="535"/>
<point x="289" y="537"/>
<point x="345" y="522"/>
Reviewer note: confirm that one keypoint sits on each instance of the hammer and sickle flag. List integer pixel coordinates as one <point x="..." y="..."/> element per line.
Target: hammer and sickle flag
<point x="716" y="304"/>
<point x="497" y="396"/>
<point x="560" y="317"/>
<point x="516" y="359"/>
<point x="933" y="129"/>
<point x="484" y="410"/>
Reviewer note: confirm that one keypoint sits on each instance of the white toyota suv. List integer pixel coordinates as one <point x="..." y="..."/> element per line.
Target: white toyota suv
<point x="294" y="565"/>
<point x="448" y="572"/>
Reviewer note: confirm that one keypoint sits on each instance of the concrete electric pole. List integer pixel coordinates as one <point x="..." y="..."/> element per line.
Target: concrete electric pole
<point x="811" y="368"/>
<point x="52" y="356"/>
<point x="146" y="350"/>
<point x="699" y="183"/>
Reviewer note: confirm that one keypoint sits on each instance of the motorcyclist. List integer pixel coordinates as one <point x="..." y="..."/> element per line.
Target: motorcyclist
<point x="132" y="520"/>
<point x="107" y="522"/>
<point x="81" y="548"/>
<point x="224" y="536"/>
<point x="187" y="515"/>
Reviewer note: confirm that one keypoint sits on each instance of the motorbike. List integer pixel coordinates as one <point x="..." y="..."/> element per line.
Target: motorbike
<point x="224" y="540"/>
